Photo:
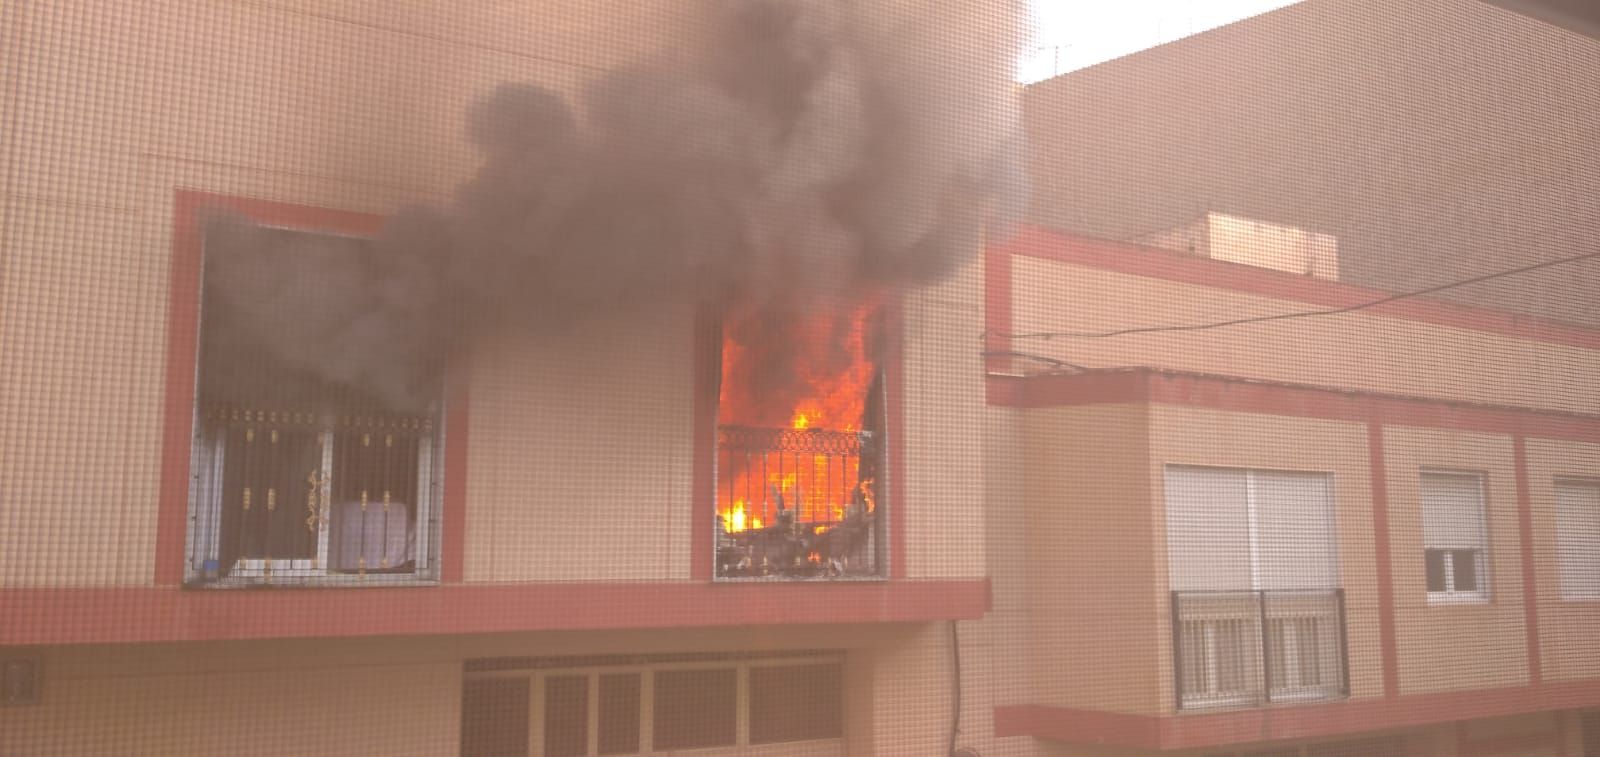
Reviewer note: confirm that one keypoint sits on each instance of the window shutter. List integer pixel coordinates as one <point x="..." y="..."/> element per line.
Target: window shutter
<point x="1578" y="538"/>
<point x="1294" y="530"/>
<point x="1208" y="529"/>
<point x="1452" y="511"/>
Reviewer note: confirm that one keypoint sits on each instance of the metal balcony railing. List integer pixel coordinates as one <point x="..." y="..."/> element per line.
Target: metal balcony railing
<point x="798" y="503"/>
<point x="1243" y="648"/>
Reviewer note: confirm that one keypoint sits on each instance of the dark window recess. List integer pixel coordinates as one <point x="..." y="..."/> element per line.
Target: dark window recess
<point x="494" y="718"/>
<point x="1464" y="563"/>
<point x="1435" y="558"/>
<point x="1591" y="734"/>
<point x="696" y="708"/>
<point x="566" y="716"/>
<point x="796" y="703"/>
<point x="619" y="713"/>
<point x="297" y="471"/>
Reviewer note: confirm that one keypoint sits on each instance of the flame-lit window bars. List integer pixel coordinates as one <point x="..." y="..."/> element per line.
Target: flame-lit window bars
<point x="800" y="503"/>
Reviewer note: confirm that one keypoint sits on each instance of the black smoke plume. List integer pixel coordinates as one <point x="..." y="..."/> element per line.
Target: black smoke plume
<point x="778" y="152"/>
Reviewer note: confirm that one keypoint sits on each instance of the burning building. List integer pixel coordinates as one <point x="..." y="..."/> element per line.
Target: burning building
<point x="785" y="175"/>
<point x="604" y="377"/>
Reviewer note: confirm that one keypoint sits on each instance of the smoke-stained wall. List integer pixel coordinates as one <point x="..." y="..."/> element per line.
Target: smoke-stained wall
<point x="778" y="152"/>
<point x="111" y="110"/>
<point x="406" y="112"/>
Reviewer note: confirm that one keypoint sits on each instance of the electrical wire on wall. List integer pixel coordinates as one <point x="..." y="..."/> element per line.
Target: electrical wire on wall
<point x="955" y="696"/>
<point x="1048" y="335"/>
<point x="1054" y="364"/>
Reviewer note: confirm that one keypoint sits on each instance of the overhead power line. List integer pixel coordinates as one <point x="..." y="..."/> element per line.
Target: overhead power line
<point x="1047" y="335"/>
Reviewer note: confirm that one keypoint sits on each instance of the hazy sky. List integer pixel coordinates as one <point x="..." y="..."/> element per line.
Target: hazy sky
<point x="1073" y="34"/>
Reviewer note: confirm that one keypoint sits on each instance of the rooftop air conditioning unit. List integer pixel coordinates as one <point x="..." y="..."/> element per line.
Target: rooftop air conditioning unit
<point x="1251" y="242"/>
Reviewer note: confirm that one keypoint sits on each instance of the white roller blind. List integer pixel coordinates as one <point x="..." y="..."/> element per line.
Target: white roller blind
<point x="1208" y="528"/>
<point x="1452" y="510"/>
<point x="1294" y="530"/>
<point x="1578" y="538"/>
<point x="1235" y="530"/>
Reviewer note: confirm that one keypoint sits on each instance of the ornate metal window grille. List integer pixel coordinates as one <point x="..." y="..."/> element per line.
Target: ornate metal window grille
<point x="283" y="495"/>
<point x="799" y="503"/>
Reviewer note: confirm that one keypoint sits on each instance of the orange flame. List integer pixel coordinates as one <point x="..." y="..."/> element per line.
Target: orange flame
<point x="737" y="518"/>
<point x="815" y="489"/>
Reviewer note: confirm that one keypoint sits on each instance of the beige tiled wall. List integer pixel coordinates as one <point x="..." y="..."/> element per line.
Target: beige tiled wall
<point x="1190" y="436"/>
<point x="111" y="109"/>
<point x="943" y="401"/>
<point x="357" y="106"/>
<point x="402" y="695"/>
<point x="1094" y="607"/>
<point x="580" y="453"/>
<point x="1453" y="647"/>
<point x="1569" y="646"/>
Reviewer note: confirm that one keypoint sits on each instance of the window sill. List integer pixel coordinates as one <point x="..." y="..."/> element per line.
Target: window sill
<point x="311" y="582"/>
<point x="1233" y="704"/>
<point x="1457" y="599"/>
<point x="801" y="580"/>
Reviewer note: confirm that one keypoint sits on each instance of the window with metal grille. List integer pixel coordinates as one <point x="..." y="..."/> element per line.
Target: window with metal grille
<point x="296" y="477"/>
<point x="1257" y="611"/>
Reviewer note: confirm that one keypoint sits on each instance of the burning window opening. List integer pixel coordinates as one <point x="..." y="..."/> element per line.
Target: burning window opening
<point x="801" y="454"/>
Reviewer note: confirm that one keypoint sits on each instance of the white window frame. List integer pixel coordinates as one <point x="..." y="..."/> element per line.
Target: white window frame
<point x="1450" y="595"/>
<point x="828" y="747"/>
<point x="206" y="466"/>
<point x="1565" y="546"/>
